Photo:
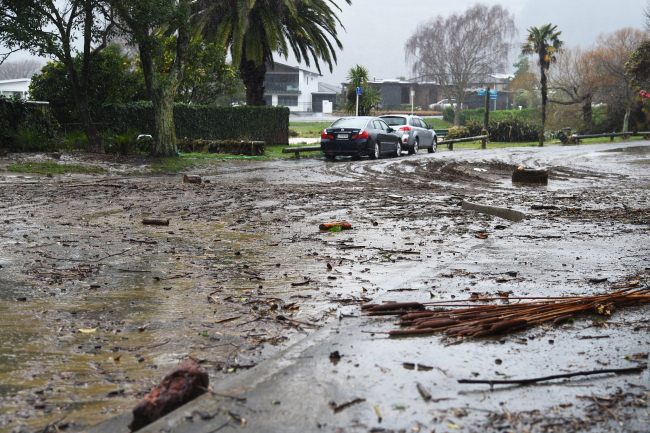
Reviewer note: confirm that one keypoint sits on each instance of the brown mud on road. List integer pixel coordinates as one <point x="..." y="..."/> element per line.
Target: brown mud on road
<point x="97" y="307"/>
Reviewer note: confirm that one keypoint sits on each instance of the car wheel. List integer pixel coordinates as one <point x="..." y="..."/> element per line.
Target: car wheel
<point x="398" y="149"/>
<point x="434" y="145"/>
<point x="416" y="147"/>
<point x="375" y="151"/>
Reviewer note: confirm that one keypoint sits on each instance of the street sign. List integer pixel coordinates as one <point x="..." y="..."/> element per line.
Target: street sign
<point x="492" y="93"/>
<point x="358" y="90"/>
<point x="481" y="93"/>
<point x="493" y="97"/>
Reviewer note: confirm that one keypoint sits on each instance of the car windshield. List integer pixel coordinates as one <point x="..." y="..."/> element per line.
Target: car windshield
<point x="352" y="122"/>
<point x="394" y="120"/>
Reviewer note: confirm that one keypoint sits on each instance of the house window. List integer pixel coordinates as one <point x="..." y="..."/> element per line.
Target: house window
<point x="288" y="101"/>
<point x="269" y="100"/>
<point x="282" y="83"/>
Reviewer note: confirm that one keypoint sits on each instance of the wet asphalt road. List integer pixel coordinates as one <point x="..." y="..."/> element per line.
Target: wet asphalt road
<point x="578" y="229"/>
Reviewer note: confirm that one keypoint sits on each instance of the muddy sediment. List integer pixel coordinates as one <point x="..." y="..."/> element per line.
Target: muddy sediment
<point x="98" y="307"/>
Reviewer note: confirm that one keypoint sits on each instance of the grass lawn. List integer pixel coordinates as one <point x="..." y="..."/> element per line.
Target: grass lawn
<point x="437" y="123"/>
<point x="309" y="129"/>
<point x="49" y="168"/>
<point x="477" y="144"/>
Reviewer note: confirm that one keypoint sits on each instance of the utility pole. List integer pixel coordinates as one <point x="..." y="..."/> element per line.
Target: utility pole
<point x="486" y="119"/>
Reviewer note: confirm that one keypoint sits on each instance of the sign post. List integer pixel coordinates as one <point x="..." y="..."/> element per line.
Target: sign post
<point x="412" y="99"/>
<point x="358" y="93"/>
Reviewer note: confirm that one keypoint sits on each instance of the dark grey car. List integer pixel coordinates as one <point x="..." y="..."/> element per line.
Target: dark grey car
<point x="359" y="136"/>
<point x="414" y="133"/>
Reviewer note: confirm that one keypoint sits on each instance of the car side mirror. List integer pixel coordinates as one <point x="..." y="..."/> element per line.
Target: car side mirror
<point x="390" y="129"/>
<point x="428" y="126"/>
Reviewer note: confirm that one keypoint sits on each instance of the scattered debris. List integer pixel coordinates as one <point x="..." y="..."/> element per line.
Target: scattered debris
<point x="485" y="320"/>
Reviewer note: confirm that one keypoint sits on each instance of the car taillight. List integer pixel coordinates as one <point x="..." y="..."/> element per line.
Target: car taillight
<point x="361" y="135"/>
<point x="405" y="128"/>
<point x="325" y="135"/>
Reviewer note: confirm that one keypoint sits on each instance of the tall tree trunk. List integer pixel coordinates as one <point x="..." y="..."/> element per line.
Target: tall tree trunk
<point x="628" y="108"/>
<point x="80" y="84"/>
<point x="162" y="92"/>
<point x="253" y="77"/>
<point x="544" y="99"/>
<point x="587" y="115"/>
<point x="457" y="108"/>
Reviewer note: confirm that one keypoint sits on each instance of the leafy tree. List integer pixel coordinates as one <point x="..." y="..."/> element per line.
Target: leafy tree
<point x="612" y="52"/>
<point x="522" y="64"/>
<point x="111" y="80"/>
<point x="141" y="23"/>
<point x="461" y="50"/>
<point x="49" y="28"/>
<point x="369" y="98"/>
<point x="638" y="67"/>
<point x="544" y="42"/>
<point x="255" y="29"/>
<point x="207" y="77"/>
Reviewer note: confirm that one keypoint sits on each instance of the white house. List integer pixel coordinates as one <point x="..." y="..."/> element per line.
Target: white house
<point x="296" y="88"/>
<point x="18" y="87"/>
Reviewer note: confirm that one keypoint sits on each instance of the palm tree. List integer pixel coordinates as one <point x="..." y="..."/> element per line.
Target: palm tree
<point x="370" y="97"/>
<point x="255" y="29"/>
<point x="545" y="42"/>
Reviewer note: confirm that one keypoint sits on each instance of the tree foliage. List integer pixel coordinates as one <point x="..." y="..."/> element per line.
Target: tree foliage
<point x="255" y="29"/>
<point x="358" y="77"/>
<point x="462" y="49"/>
<point x="141" y="23"/>
<point x="208" y="76"/>
<point x="50" y="28"/>
<point x="545" y="42"/>
<point x="112" y="80"/>
<point x="616" y="87"/>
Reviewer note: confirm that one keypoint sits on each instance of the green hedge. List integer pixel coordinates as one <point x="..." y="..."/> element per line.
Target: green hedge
<point x="24" y="127"/>
<point x="206" y="122"/>
<point x="479" y="113"/>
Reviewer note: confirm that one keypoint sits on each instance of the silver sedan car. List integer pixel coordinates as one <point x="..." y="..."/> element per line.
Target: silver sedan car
<point x="413" y="131"/>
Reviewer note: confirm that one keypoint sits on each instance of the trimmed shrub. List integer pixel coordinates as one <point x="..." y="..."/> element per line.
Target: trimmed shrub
<point x="206" y="122"/>
<point x="513" y="130"/>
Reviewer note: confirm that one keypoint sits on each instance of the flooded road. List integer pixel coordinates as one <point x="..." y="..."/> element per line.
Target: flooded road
<point x="98" y="307"/>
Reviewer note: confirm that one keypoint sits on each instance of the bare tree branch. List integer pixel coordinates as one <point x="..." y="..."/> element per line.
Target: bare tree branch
<point x="462" y="50"/>
<point x="20" y="69"/>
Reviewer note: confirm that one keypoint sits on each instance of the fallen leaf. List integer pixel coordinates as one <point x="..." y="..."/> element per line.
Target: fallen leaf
<point x="453" y="426"/>
<point x="482" y="236"/>
<point x="88" y="331"/>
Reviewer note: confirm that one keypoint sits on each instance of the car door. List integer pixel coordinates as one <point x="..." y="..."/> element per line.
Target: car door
<point x="416" y="129"/>
<point x="427" y="134"/>
<point x="389" y="137"/>
<point x="381" y="134"/>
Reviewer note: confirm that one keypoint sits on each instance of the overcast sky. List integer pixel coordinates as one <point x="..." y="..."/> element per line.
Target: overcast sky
<point x="376" y="30"/>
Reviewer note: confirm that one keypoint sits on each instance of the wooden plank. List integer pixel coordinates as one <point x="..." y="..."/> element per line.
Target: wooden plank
<point x="301" y="149"/>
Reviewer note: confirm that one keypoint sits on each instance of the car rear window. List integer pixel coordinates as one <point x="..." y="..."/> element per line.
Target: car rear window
<point x="349" y="123"/>
<point x="394" y="120"/>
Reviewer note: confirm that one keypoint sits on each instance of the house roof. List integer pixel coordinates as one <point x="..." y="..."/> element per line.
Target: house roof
<point x="16" y="80"/>
<point x="280" y="66"/>
<point x="328" y="88"/>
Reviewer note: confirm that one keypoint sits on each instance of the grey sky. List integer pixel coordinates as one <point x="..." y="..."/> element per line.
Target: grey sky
<point x="376" y="30"/>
